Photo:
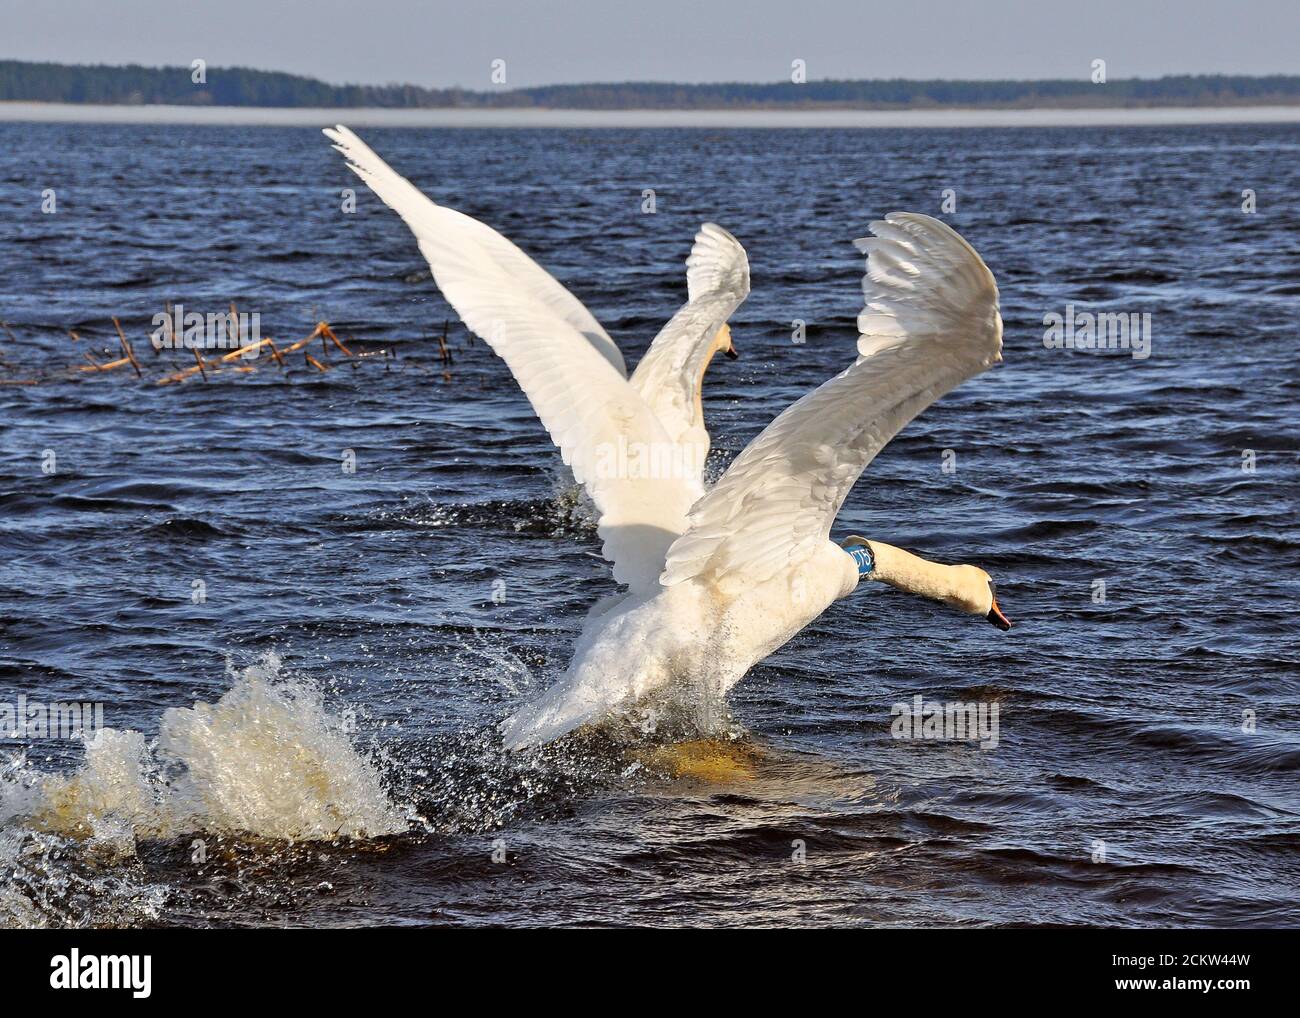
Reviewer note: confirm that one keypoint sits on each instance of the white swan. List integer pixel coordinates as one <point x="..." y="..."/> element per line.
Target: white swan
<point x="548" y="338"/>
<point x="756" y="564"/>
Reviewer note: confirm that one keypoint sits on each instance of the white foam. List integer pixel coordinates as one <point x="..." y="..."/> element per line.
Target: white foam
<point x="266" y="760"/>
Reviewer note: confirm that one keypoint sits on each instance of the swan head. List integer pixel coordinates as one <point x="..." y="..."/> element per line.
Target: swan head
<point x="977" y="594"/>
<point x="723" y="343"/>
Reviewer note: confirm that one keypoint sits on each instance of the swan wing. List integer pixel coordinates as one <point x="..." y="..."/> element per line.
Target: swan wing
<point x="452" y="235"/>
<point x="930" y="322"/>
<point x="669" y="375"/>
<point x="591" y="411"/>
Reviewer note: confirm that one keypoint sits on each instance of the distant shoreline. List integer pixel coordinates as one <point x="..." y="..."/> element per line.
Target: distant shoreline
<point x="214" y="86"/>
<point x="264" y="116"/>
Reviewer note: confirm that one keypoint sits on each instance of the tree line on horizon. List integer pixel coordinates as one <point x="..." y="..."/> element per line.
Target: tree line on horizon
<point x="23" y="81"/>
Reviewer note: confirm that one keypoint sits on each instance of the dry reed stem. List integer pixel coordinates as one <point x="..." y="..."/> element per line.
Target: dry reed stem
<point x="127" y="348"/>
<point x="201" y="365"/>
<point x="324" y="327"/>
<point x="302" y="342"/>
<point x="180" y="376"/>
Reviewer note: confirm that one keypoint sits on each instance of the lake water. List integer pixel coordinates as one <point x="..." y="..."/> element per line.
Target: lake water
<point x="356" y="634"/>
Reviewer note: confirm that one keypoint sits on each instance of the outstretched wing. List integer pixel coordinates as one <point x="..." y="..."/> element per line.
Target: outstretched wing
<point x="669" y="375"/>
<point x="930" y="322"/>
<point x="451" y="234"/>
<point x="590" y="410"/>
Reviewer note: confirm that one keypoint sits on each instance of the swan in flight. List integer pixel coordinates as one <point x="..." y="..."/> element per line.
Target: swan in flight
<point x="553" y="345"/>
<point x="754" y="563"/>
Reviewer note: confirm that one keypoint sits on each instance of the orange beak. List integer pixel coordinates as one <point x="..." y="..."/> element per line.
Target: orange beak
<point x="997" y="618"/>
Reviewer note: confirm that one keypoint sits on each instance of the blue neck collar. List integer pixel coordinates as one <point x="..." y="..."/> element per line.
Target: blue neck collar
<point x="862" y="556"/>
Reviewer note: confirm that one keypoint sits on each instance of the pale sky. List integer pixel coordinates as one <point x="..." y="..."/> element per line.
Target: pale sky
<point x="438" y="43"/>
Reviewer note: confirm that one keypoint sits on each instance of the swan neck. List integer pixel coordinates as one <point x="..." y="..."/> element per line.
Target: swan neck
<point x="705" y="361"/>
<point x="699" y="388"/>
<point x="914" y="574"/>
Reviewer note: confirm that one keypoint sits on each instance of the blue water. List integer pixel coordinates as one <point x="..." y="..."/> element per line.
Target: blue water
<point x="1123" y="721"/>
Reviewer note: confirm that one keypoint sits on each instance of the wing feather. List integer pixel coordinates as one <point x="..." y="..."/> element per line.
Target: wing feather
<point x="668" y="376"/>
<point x="426" y="218"/>
<point x="930" y="322"/>
<point x="581" y="396"/>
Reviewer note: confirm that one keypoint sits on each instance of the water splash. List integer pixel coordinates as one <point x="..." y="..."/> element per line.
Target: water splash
<point x="46" y="880"/>
<point x="267" y="760"/>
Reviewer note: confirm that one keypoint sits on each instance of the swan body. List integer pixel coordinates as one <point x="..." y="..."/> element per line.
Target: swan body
<point x="689" y="631"/>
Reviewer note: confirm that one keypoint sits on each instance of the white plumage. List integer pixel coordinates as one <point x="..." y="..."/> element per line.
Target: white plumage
<point x="670" y="376"/>
<point x="569" y="368"/>
<point x="756" y="563"/>
<point x="931" y="321"/>
<point x="717" y="582"/>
